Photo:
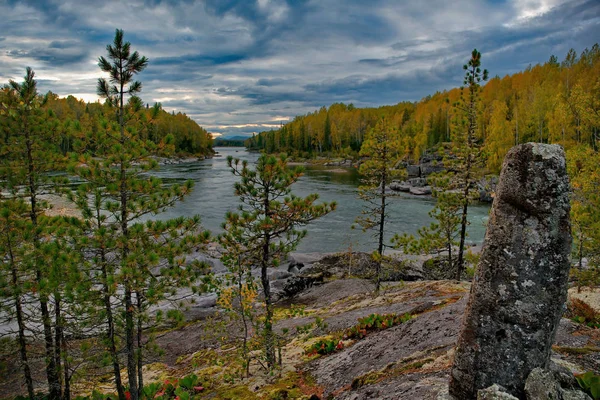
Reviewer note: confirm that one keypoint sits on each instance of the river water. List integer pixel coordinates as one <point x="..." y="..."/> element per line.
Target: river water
<point x="213" y="196"/>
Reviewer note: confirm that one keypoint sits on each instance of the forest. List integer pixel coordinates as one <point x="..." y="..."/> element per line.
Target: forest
<point x="71" y="121"/>
<point x="554" y="102"/>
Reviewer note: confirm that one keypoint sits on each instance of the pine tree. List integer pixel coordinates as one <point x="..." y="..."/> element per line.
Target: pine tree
<point x="440" y="236"/>
<point x="29" y="154"/>
<point x="267" y="226"/>
<point x="137" y="263"/>
<point x="122" y="68"/>
<point x="14" y="277"/>
<point x="467" y="156"/>
<point x="383" y="151"/>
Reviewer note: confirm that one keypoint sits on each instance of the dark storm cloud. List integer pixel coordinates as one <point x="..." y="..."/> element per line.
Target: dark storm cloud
<point x="241" y="66"/>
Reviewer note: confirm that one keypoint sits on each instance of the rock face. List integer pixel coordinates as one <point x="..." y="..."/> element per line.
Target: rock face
<point x="520" y="287"/>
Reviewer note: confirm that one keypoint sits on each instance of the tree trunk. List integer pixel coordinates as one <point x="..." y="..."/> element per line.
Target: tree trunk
<point x="140" y="360"/>
<point x="51" y="373"/>
<point x="129" y="308"/>
<point x="67" y="376"/>
<point x="110" y="333"/>
<point x="269" y="337"/>
<point x="58" y="329"/>
<point x="381" y="233"/>
<point x="20" y="324"/>
<point x="129" y="344"/>
<point x="449" y="243"/>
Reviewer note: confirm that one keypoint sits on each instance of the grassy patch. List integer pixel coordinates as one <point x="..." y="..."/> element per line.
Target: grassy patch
<point x="576" y="351"/>
<point x="391" y="370"/>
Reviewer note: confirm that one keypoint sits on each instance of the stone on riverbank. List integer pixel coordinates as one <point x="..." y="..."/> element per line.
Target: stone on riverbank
<point x="520" y="288"/>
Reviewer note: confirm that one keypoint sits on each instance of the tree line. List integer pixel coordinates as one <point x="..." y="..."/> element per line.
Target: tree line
<point x="553" y="102"/>
<point x="73" y="121"/>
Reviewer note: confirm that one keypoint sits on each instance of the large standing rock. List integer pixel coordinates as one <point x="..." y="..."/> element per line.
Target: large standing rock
<point x="520" y="288"/>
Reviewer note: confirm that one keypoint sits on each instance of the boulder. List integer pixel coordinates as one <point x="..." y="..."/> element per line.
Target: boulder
<point x="420" y="191"/>
<point x="417" y="182"/>
<point x="494" y="392"/>
<point x="293" y="270"/>
<point x="520" y="286"/>
<point x="428" y="169"/>
<point x="413" y="171"/>
<point x="551" y="384"/>
<point x="297" y="284"/>
<point x="400" y="186"/>
<point x="275" y="274"/>
<point x="541" y="385"/>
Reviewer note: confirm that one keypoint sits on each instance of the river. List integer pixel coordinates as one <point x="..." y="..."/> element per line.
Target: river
<point x="213" y="196"/>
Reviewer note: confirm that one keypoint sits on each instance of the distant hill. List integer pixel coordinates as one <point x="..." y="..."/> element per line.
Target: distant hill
<point x="230" y="141"/>
<point x="236" y="138"/>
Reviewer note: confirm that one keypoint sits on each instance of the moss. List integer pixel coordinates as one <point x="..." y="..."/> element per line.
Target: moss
<point x="367" y="379"/>
<point x="413" y="366"/>
<point x="389" y="371"/>
<point x="576" y="351"/>
<point x="291" y="386"/>
<point x="238" y="392"/>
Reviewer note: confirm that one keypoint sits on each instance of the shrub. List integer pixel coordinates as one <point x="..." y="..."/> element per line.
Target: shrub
<point x="581" y="312"/>
<point x="325" y="346"/>
<point x="375" y="322"/>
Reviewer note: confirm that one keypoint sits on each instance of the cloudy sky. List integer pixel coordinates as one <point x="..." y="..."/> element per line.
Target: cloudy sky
<point x="242" y="66"/>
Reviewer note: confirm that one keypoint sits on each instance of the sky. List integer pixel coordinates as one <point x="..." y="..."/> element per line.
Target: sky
<point x="243" y="66"/>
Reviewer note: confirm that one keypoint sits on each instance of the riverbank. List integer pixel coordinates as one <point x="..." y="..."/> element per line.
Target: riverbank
<point x="213" y="196"/>
<point x="407" y="360"/>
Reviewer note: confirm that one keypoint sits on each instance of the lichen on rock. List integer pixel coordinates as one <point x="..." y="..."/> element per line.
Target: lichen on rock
<point x="520" y="287"/>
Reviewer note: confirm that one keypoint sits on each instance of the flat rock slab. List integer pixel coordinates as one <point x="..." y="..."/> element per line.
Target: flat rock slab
<point x="433" y="331"/>
<point x="414" y="358"/>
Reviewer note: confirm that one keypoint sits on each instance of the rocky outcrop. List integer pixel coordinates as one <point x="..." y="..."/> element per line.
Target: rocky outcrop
<point x="429" y="163"/>
<point x="486" y="187"/>
<point x="494" y="392"/>
<point x="416" y="186"/>
<point x="551" y="384"/>
<point x="520" y="287"/>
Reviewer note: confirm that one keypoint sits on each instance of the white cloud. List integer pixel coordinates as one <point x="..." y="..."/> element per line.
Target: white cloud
<point x="241" y="66"/>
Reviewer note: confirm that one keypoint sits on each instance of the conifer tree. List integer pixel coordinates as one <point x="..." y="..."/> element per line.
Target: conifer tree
<point x="467" y="155"/>
<point x="267" y="224"/>
<point x="137" y="264"/>
<point x="13" y="276"/>
<point x="29" y="153"/>
<point x="383" y="151"/>
<point x="442" y="234"/>
<point x="122" y="68"/>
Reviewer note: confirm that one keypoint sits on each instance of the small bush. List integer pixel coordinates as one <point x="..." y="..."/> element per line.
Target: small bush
<point x="581" y="312"/>
<point x="373" y="323"/>
<point x="325" y="346"/>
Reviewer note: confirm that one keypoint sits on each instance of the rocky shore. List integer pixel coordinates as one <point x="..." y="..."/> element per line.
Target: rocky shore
<point x="180" y="160"/>
<point x="320" y="295"/>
